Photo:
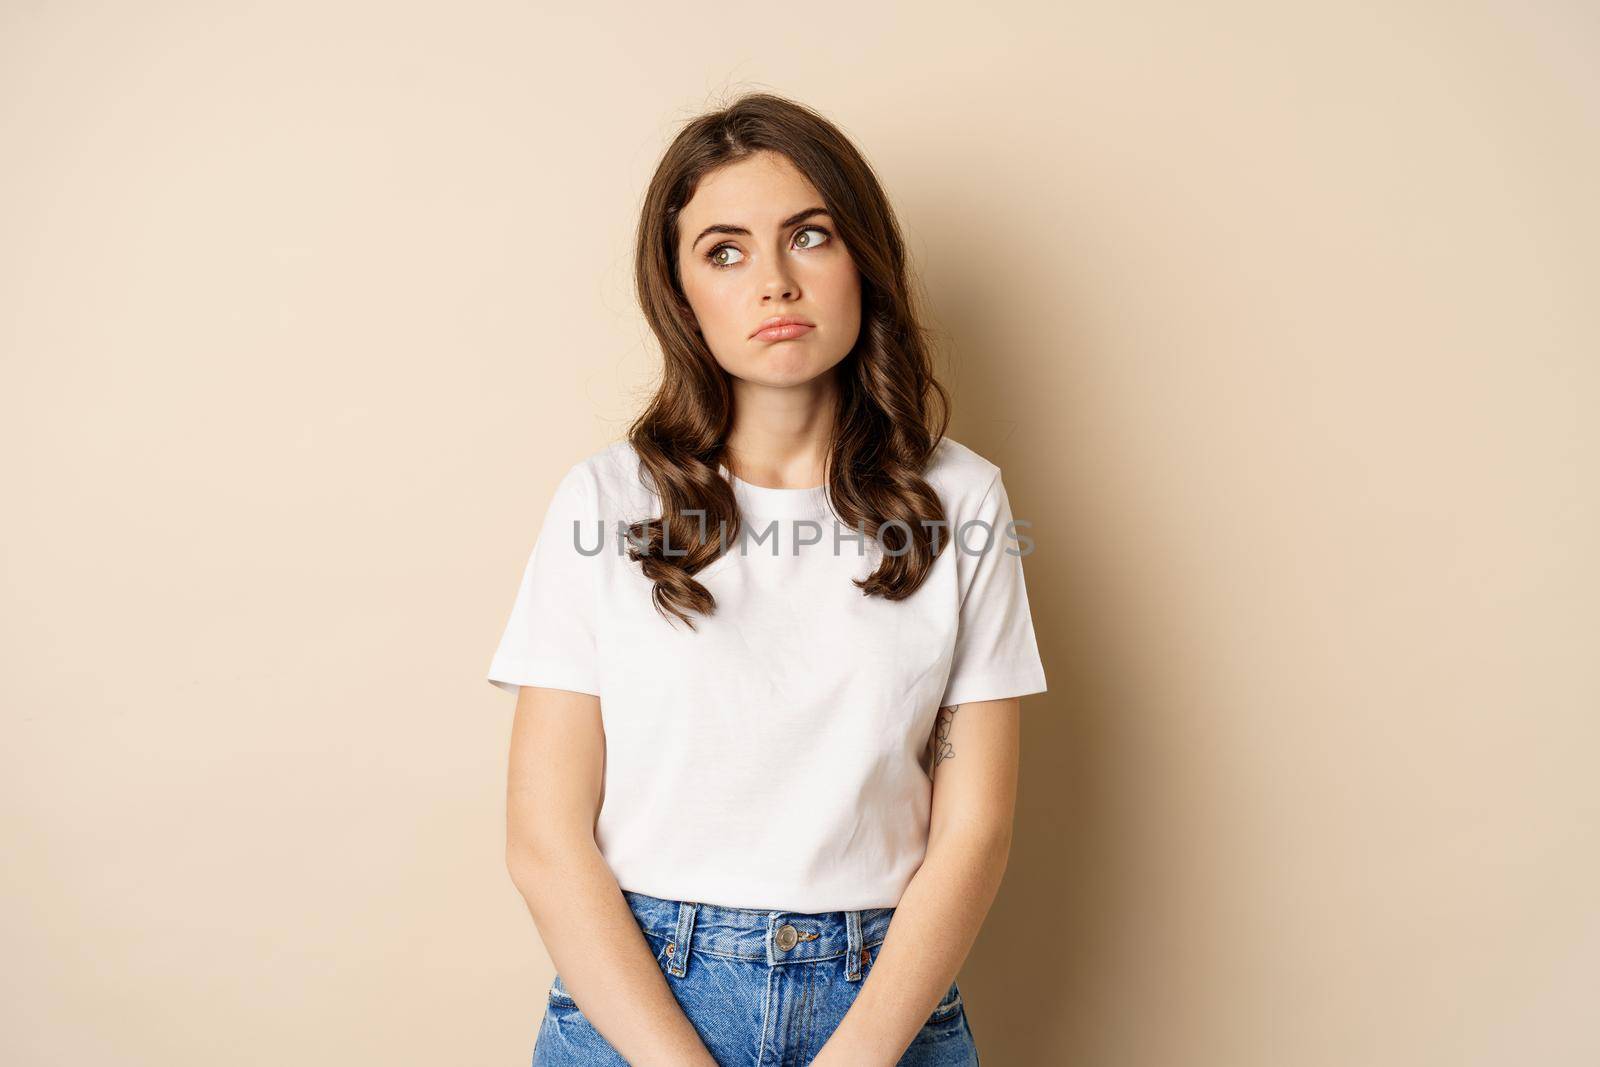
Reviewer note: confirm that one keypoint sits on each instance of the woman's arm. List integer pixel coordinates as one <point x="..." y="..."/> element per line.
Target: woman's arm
<point x="553" y="792"/>
<point x="973" y="755"/>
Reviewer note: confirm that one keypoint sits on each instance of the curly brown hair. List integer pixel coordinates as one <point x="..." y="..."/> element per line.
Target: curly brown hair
<point x="892" y="412"/>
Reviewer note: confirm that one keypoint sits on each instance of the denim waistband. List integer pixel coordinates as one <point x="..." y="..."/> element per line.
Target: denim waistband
<point x="760" y="935"/>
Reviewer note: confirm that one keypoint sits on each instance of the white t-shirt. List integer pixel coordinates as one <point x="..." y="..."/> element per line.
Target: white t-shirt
<point x="773" y="759"/>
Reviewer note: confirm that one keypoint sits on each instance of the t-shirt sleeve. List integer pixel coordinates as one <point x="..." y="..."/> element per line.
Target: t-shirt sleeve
<point x="996" y="654"/>
<point x="549" y="640"/>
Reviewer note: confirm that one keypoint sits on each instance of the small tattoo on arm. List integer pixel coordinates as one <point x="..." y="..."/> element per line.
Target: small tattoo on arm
<point x="940" y="744"/>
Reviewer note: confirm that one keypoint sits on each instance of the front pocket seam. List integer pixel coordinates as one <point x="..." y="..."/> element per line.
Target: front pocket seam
<point x="564" y="999"/>
<point x="946" y="1008"/>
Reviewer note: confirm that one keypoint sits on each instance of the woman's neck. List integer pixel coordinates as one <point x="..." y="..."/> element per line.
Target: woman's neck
<point x="780" y="435"/>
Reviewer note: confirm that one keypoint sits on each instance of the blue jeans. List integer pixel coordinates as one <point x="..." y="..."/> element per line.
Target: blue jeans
<point x="762" y="988"/>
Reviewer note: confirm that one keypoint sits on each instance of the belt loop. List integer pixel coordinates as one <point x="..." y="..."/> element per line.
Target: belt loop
<point x="681" y="938"/>
<point x="853" y="950"/>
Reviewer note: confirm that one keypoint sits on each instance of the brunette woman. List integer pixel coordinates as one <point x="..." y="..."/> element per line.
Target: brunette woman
<point x="768" y="649"/>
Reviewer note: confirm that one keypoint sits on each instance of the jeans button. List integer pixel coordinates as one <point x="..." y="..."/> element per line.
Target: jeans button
<point x="787" y="936"/>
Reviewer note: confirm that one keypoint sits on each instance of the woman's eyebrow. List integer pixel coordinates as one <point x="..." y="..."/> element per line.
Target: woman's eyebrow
<point x="799" y="216"/>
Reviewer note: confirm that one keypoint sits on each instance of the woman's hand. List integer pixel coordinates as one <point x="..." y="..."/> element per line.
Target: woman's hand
<point x="972" y="755"/>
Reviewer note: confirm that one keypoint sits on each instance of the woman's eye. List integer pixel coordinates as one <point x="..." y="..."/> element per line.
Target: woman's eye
<point x="719" y="256"/>
<point x="799" y="237"/>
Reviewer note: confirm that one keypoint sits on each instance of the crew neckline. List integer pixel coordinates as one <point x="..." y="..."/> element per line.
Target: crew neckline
<point x="767" y="501"/>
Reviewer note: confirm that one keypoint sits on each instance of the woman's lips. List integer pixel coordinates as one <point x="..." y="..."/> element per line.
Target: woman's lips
<point x="783" y="333"/>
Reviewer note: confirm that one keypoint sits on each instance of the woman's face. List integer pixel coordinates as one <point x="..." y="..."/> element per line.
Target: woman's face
<point x="755" y="243"/>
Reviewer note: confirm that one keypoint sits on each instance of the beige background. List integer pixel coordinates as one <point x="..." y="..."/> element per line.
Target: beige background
<point x="1279" y="318"/>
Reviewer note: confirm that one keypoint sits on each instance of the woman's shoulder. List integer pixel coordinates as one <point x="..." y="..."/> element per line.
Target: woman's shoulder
<point x="610" y="461"/>
<point x="614" y="476"/>
<point x="960" y="475"/>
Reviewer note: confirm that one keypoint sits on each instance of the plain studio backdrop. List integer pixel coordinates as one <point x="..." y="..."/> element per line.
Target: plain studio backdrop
<point x="1280" y="320"/>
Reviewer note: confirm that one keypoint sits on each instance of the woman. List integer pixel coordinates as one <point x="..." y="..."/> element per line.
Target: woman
<point x="768" y="650"/>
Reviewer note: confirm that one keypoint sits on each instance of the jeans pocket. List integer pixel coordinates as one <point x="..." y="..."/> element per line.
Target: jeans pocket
<point x="947" y="1008"/>
<point x="560" y="1000"/>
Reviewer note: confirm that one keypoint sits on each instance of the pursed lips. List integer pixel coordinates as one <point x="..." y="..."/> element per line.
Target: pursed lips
<point x="782" y="329"/>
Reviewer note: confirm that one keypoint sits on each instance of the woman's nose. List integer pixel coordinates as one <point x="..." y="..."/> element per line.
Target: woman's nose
<point x="779" y="282"/>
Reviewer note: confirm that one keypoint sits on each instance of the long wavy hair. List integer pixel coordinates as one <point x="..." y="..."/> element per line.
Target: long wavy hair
<point x="892" y="411"/>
